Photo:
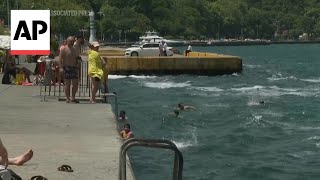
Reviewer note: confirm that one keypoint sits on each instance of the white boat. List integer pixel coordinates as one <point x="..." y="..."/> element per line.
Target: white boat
<point x="153" y="37"/>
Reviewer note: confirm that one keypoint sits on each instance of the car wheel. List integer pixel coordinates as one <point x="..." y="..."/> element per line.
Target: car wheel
<point x="134" y="54"/>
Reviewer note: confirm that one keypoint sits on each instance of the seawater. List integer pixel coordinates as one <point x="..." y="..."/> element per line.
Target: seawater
<point x="231" y="135"/>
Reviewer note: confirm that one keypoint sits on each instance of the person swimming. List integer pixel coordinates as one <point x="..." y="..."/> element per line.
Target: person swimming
<point x="175" y="113"/>
<point x="126" y="133"/>
<point x="261" y="102"/>
<point x="183" y="107"/>
<point x="122" y="115"/>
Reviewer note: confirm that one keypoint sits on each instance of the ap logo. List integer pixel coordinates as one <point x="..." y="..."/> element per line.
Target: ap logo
<point x="30" y="32"/>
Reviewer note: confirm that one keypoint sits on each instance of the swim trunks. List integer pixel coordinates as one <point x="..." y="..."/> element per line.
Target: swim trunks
<point x="71" y="72"/>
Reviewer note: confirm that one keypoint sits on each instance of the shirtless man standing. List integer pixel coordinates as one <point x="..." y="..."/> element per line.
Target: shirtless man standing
<point x="69" y="65"/>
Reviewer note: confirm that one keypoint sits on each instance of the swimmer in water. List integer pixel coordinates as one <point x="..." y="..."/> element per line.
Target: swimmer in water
<point x="182" y="107"/>
<point x="122" y="116"/>
<point x="174" y="113"/>
<point x="261" y="102"/>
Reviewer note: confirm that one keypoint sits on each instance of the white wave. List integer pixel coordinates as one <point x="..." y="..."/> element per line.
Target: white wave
<point x="142" y="77"/>
<point x="253" y="103"/>
<point x="235" y="74"/>
<point x="181" y="145"/>
<point x="257" y="121"/>
<point x="131" y="76"/>
<point x="252" y="66"/>
<point x="116" y="77"/>
<point x="247" y="88"/>
<point x="283" y="89"/>
<point x="295" y="155"/>
<point x="279" y="76"/>
<point x="191" y="136"/>
<point x="274" y="114"/>
<point x="275" y="91"/>
<point x="166" y="85"/>
<point x="217" y="105"/>
<point x="307" y="128"/>
<point x="212" y="89"/>
<point x="311" y="80"/>
<point x="314" y="138"/>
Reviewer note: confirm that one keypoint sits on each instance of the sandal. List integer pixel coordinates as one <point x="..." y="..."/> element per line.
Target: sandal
<point x="92" y="101"/>
<point x="65" y="168"/>
<point x="75" y="101"/>
<point x="68" y="101"/>
<point x="38" y="178"/>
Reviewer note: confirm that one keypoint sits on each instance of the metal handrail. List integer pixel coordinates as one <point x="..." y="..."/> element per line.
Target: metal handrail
<point x="154" y="143"/>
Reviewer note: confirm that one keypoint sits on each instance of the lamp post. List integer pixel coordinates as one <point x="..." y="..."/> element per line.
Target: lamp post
<point x="219" y="31"/>
<point x="17" y="4"/>
<point x="8" y="9"/>
<point x="83" y="30"/>
<point x="125" y="35"/>
<point x="119" y="35"/>
<point x="101" y="15"/>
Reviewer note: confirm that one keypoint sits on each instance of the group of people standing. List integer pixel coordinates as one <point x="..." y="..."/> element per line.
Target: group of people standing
<point x="70" y="67"/>
<point x="163" y="48"/>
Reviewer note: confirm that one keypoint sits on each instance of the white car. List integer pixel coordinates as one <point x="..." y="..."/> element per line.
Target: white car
<point x="147" y="49"/>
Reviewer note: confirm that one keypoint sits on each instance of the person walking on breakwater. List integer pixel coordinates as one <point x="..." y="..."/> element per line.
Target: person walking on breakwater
<point x="161" y="48"/>
<point x="183" y="107"/>
<point x="95" y="70"/>
<point x="18" y="161"/>
<point x="68" y="66"/>
<point x="188" y="50"/>
<point x="126" y="133"/>
<point x="165" y="47"/>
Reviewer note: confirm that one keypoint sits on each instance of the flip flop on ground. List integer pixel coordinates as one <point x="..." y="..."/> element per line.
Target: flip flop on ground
<point x="65" y="168"/>
<point x="38" y="178"/>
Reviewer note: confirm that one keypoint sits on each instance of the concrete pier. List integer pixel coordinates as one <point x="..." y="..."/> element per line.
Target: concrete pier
<point x="198" y="63"/>
<point x="204" y="65"/>
<point x="83" y="136"/>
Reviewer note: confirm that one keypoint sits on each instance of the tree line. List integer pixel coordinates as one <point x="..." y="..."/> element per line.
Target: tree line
<point x="184" y="19"/>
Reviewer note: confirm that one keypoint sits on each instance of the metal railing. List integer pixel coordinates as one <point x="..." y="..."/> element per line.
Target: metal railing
<point x="153" y="143"/>
<point x="49" y="89"/>
<point x="50" y="82"/>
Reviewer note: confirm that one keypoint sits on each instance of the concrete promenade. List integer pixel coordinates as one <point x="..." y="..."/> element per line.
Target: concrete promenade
<point x="83" y="135"/>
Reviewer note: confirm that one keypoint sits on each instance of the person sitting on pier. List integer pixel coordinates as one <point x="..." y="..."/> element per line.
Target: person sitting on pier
<point x="183" y="107"/>
<point x="188" y="50"/>
<point x="18" y="161"/>
<point x="122" y="116"/>
<point x="10" y="69"/>
<point x="126" y="133"/>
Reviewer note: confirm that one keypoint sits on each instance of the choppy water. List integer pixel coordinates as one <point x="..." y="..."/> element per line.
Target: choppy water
<point x="232" y="136"/>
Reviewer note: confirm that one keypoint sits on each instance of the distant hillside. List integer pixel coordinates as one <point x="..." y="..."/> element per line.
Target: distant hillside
<point x="188" y="19"/>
